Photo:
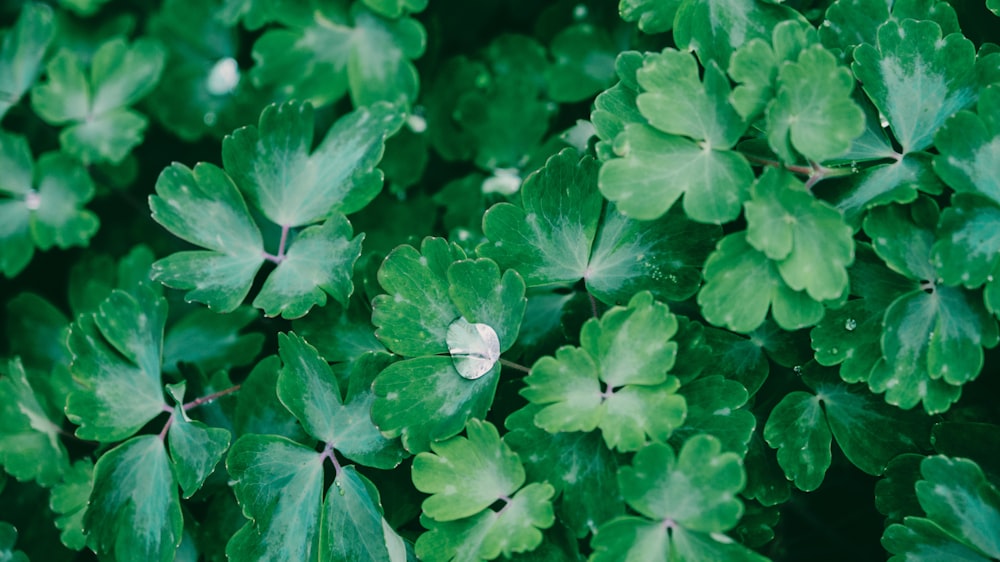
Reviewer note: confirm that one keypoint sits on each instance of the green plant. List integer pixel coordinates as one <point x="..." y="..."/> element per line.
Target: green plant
<point x="461" y="281"/>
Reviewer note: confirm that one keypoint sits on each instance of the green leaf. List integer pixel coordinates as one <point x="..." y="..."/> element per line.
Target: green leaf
<point x="742" y="284"/>
<point x="969" y="150"/>
<point x="584" y="62"/>
<point x="186" y="338"/>
<point x="632" y="538"/>
<point x="416" y="321"/>
<point x="616" y="381"/>
<point x="813" y="111"/>
<point x="976" y="441"/>
<point x="695" y="489"/>
<point x="325" y="49"/>
<point x="40" y="203"/>
<point x="30" y="428"/>
<point x="319" y="263"/>
<point x="675" y="100"/>
<point x="577" y="464"/>
<point x="916" y="78"/>
<point x="465" y="475"/>
<point x="101" y="128"/>
<point x="655" y="169"/>
<point x="894" y="494"/>
<point x="755" y="66"/>
<point x="651" y="16"/>
<point x="308" y="388"/>
<point x="967" y="251"/>
<point x="293" y="185"/>
<point x="806" y="237"/>
<point x="195" y="449"/>
<point x="714" y="407"/>
<point x="797" y="428"/>
<point x="134" y="489"/>
<point x="22" y="51"/>
<point x="116" y="361"/>
<point x="203" y="206"/>
<point x="279" y="484"/>
<point x="396" y="8"/>
<point x="8" y="538"/>
<point x="882" y="184"/>
<point x="849" y="337"/>
<point x="962" y="509"/>
<point x="340" y="334"/>
<point x="352" y="526"/>
<point x="68" y="502"/>
<point x="258" y="409"/>
<point x="853" y="22"/>
<point x="425" y="399"/>
<point x="715" y="29"/>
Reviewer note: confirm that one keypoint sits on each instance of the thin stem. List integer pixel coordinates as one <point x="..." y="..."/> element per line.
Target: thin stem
<point x="593" y="305"/>
<point x="515" y="366"/>
<point x="166" y="427"/>
<point x="816" y="172"/>
<point x="210" y="397"/>
<point x="280" y="256"/>
<point x="328" y="453"/>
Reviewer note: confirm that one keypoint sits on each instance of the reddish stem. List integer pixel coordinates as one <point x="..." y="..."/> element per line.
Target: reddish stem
<point x="210" y="397"/>
<point x="513" y="365"/>
<point x="280" y="256"/>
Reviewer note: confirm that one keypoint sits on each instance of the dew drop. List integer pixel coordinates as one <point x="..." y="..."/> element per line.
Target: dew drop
<point x="850" y="324"/>
<point x="797" y="369"/>
<point x="224" y="77"/>
<point x="32" y="201"/>
<point x="580" y="12"/>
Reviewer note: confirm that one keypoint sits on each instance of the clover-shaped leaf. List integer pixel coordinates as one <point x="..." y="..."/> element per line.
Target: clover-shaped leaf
<point x="933" y="334"/>
<point x="688" y="501"/>
<point x="715" y="407"/>
<point x="652" y="16"/>
<point x="309" y="389"/>
<point x="755" y="65"/>
<point x="962" y="513"/>
<point x="465" y="475"/>
<point x="22" y="51"/>
<point x="195" y="448"/>
<point x="917" y="78"/>
<point x="96" y="107"/>
<point x="616" y="381"/>
<point x="559" y="234"/>
<point x="116" y="361"/>
<point x="742" y="284"/>
<point x="813" y="113"/>
<point x="273" y="167"/>
<point x="326" y="49"/>
<point x="40" y="203"/>
<point x="853" y="22"/>
<point x="68" y="501"/>
<point x="715" y="30"/>
<point x="441" y="303"/>
<point x="806" y="237"/>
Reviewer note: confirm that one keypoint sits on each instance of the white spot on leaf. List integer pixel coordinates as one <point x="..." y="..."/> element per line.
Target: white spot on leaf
<point x="474" y="348"/>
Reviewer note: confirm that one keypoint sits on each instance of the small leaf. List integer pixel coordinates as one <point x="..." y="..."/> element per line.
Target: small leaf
<point x="135" y="489"/>
<point x="22" y="51"/>
<point x="352" y="525"/>
<point x="652" y="16"/>
<point x="798" y="429"/>
<point x="917" y="78"/>
<point x="465" y="475"/>
<point x="30" y="428"/>
<point x="8" y="538"/>
<point x="715" y="407"/>
<point x="68" y="502"/>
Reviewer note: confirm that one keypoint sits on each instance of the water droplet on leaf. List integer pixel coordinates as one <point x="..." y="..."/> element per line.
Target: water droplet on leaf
<point x="474" y="348"/>
<point x="850" y="324"/>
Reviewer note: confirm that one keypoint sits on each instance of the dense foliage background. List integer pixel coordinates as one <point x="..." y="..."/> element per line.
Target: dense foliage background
<point x="387" y="279"/>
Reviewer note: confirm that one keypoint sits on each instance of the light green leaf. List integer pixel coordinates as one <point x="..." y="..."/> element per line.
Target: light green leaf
<point x="917" y="78"/>
<point x="134" y="489"/>
<point x="969" y="146"/>
<point x="922" y="540"/>
<point x="652" y="16"/>
<point x="195" y="448"/>
<point x="577" y="464"/>
<point x="204" y="207"/>
<point x="853" y="22"/>
<point x="696" y="489"/>
<point x="379" y="67"/>
<point x="676" y="101"/>
<point x="630" y="538"/>
<point x="101" y="127"/>
<point x="292" y="185"/>
<point x="806" y="237"/>
<point x="882" y="184"/>
<point x="813" y="112"/>
<point x="798" y="429"/>
<point x="320" y="262"/>
<point x="465" y="475"/>
<point x="308" y="388"/>
<point x="116" y="361"/>
<point x="742" y="284"/>
<point x="618" y="378"/>
<point x="396" y="8"/>
<point x="8" y="538"/>
<point x="756" y="64"/>
<point x="483" y="296"/>
<point x="279" y="484"/>
<point x="655" y="169"/>
<point x="22" y="51"/>
<point x="849" y="337"/>
<point x="30" y="427"/>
